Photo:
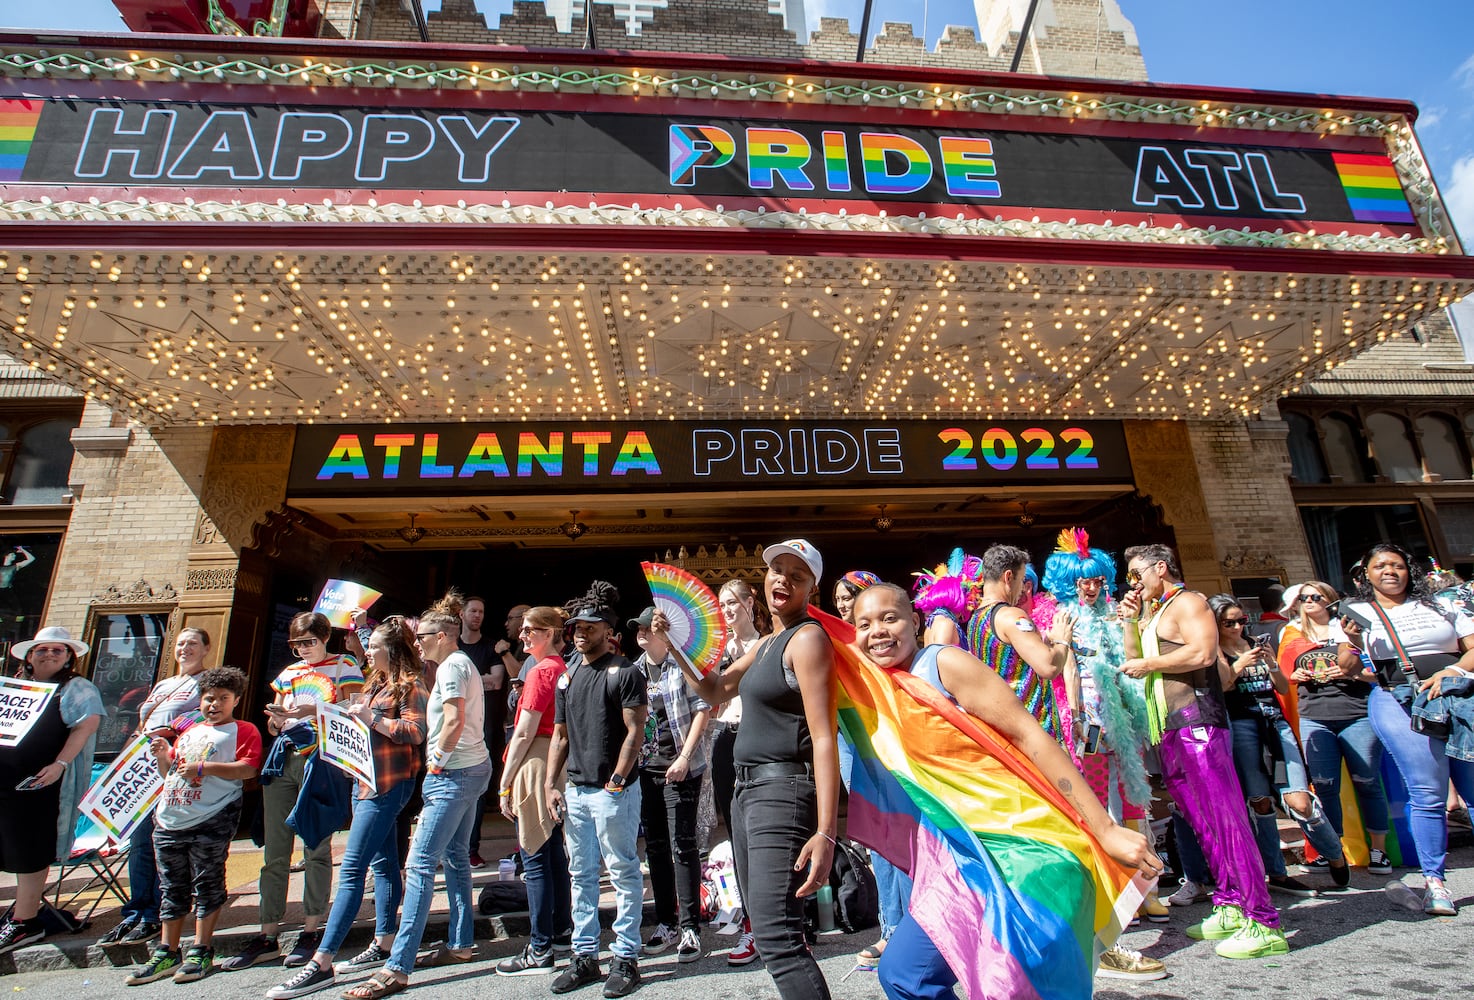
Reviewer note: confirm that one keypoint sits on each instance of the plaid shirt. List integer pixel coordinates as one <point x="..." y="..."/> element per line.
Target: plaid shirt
<point x="398" y="756"/>
<point x="673" y="704"/>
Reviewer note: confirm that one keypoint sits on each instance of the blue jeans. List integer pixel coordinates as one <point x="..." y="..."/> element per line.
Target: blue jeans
<point x="143" y="875"/>
<point x="373" y="842"/>
<point x="549" y="892"/>
<point x="1257" y="783"/>
<point x="600" y="826"/>
<point x="1189" y="851"/>
<point x="1330" y="742"/>
<point x="444" y="834"/>
<point x="894" y="888"/>
<point x="911" y="967"/>
<point x="1426" y="771"/>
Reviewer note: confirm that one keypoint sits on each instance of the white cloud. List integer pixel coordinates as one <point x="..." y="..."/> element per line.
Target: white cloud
<point x="1465" y="73"/>
<point x="1458" y="198"/>
<point x="1428" y="118"/>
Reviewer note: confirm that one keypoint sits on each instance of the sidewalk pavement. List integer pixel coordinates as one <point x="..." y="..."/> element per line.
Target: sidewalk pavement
<point x="238" y="922"/>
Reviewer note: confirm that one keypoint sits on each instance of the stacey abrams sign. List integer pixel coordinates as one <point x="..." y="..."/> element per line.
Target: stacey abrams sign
<point x="450" y="459"/>
<point x="700" y="159"/>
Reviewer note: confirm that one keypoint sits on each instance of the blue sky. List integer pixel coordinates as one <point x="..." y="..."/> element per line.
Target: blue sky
<point x="1353" y="47"/>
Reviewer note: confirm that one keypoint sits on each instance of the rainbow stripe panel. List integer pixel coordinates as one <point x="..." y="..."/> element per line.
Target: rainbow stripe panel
<point x="1372" y="188"/>
<point x="1019" y="899"/>
<point x="17" y="129"/>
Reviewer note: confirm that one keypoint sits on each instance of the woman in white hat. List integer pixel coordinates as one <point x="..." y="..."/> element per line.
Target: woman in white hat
<point x="43" y="775"/>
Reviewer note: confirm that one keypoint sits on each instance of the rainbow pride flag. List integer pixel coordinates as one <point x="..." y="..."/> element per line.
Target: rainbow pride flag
<point x="1017" y="896"/>
<point x="18" y="119"/>
<point x="1372" y="188"/>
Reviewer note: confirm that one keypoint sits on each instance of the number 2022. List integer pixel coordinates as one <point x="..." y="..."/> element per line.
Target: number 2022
<point x="1000" y="449"/>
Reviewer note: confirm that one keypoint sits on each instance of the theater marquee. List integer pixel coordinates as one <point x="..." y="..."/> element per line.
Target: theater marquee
<point x="487" y="152"/>
<point x="452" y="459"/>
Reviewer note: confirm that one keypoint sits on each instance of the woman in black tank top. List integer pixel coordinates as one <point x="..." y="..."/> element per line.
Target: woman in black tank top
<point x="784" y="813"/>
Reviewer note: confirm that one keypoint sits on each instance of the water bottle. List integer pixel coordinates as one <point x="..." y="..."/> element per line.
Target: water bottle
<point x="826" y="908"/>
<point x="506" y="871"/>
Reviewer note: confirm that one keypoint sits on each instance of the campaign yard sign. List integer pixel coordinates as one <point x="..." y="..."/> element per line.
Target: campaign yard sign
<point x="125" y="793"/>
<point x="344" y="742"/>
<point x="21" y="704"/>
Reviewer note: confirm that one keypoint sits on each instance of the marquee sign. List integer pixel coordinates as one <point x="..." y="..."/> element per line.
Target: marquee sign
<point x="546" y="457"/>
<point x="704" y="160"/>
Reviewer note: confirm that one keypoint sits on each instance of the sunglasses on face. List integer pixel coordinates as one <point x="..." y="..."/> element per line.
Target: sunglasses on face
<point x="425" y="635"/>
<point x="1234" y="622"/>
<point x="1133" y="576"/>
<point x="302" y="643"/>
<point x="1313" y="598"/>
<point x="530" y="630"/>
<point x="49" y="650"/>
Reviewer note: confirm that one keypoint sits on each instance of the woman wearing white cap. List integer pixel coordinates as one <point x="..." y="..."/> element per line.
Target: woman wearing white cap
<point x="52" y="764"/>
<point x="784" y="813"/>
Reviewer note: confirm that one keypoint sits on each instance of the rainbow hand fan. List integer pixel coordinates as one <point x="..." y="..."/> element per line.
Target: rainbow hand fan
<point x="696" y="623"/>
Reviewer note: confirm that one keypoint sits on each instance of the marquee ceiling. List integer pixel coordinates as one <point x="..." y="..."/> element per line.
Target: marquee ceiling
<point x="270" y="337"/>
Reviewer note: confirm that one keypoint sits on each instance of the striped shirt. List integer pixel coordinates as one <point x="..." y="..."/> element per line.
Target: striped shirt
<point x="988" y="646"/>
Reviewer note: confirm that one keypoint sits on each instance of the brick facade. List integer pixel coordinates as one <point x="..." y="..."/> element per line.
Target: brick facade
<point x="133" y="518"/>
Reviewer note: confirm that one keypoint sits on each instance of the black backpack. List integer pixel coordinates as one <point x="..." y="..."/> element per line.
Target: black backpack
<point x="856" y="899"/>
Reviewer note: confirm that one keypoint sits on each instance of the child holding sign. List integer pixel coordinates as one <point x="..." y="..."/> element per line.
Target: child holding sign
<point x="198" y="812"/>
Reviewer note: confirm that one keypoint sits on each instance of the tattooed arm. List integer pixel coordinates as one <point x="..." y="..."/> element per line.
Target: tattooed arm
<point x="981" y="692"/>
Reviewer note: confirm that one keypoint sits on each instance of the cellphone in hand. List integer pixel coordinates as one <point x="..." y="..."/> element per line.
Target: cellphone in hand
<point x="27" y="784"/>
<point x="1092" y="738"/>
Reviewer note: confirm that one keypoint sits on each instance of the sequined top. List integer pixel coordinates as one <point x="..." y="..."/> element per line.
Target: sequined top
<point x="988" y="646"/>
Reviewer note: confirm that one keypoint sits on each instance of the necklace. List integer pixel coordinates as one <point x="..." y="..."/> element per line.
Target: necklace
<point x="1169" y="592"/>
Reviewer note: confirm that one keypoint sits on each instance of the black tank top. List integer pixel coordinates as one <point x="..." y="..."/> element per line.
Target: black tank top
<point x="774" y="729"/>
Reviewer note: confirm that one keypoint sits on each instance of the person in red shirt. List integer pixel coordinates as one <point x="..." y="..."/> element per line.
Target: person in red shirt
<point x="524" y="801"/>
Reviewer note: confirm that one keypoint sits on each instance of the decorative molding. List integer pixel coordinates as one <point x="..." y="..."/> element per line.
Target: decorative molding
<point x="716" y="567"/>
<point x="205" y="531"/>
<point x="1246" y="564"/>
<point x="144" y="209"/>
<point x="246" y="479"/>
<point x="222" y="578"/>
<point x="139" y="592"/>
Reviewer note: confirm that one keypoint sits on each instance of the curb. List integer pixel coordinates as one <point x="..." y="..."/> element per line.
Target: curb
<point x="81" y="952"/>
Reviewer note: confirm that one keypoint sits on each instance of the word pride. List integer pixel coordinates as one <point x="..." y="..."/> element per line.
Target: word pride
<point x="889" y="163"/>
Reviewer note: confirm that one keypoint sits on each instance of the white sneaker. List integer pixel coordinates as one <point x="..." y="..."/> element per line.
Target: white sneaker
<point x="1187" y="895"/>
<point x="689" y="950"/>
<point x="744" y="952"/>
<point x="665" y="935"/>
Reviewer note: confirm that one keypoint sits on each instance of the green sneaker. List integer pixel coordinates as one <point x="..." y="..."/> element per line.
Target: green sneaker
<point x="197" y="964"/>
<point x="160" y="965"/>
<point x="1254" y="940"/>
<point x="1223" y="922"/>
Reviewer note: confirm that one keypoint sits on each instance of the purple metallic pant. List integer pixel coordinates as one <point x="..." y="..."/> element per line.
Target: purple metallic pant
<point x="1197" y="766"/>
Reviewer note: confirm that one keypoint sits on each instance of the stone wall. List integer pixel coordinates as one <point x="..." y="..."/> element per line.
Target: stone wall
<point x="1087" y="38"/>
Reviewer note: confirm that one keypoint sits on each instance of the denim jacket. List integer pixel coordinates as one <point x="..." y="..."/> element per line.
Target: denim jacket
<point x="1456" y="708"/>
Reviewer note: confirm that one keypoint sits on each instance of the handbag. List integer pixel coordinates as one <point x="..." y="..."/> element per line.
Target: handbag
<point x="1413" y="670"/>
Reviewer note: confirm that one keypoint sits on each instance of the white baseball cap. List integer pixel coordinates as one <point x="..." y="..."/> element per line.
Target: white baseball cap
<point x="800" y="547"/>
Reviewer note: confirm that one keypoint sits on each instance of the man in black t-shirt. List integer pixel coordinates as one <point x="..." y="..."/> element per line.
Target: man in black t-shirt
<point x="599" y="726"/>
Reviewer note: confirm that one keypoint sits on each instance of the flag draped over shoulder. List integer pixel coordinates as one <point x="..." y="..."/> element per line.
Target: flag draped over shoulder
<point x="1019" y="898"/>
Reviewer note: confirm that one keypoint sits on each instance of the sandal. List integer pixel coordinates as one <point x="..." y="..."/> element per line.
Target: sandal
<point x="441" y="955"/>
<point x="870" y="954"/>
<point x="378" y="986"/>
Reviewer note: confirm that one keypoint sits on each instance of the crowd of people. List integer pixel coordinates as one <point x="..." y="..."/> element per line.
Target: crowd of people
<point x="1158" y="700"/>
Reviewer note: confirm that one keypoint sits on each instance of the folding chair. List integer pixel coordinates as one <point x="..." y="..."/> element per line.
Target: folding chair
<point x="96" y="852"/>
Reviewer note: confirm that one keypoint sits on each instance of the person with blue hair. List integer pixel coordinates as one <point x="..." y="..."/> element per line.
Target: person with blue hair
<point x="1109" y="708"/>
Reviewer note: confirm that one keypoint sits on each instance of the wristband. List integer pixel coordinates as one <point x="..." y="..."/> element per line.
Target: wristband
<point x="505" y="793"/>
<point x="64" y="764"/>
<point x="832" y="841"/>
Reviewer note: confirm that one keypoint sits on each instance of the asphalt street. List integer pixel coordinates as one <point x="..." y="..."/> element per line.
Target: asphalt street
<point x="1357" y="943"/>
